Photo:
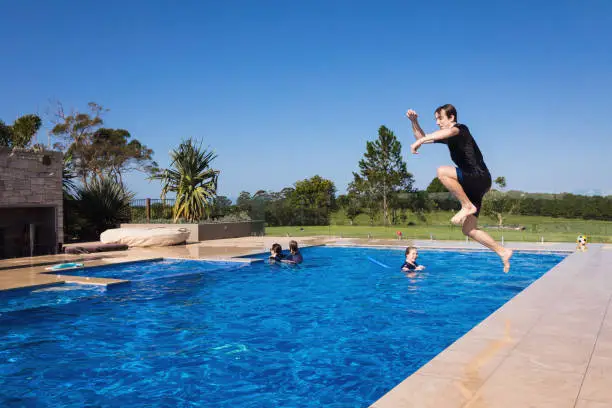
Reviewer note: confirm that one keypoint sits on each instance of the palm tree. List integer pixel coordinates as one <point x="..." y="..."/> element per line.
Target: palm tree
<point x="192" y="179"/>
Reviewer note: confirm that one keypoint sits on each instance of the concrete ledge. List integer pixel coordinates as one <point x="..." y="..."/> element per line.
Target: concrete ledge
<point x="209" y="231"/>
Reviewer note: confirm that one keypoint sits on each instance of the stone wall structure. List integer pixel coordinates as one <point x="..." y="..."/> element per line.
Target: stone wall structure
<point x="31" y="206"/>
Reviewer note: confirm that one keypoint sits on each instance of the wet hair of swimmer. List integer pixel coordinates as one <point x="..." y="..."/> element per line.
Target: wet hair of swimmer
<point x="293" y="246"/>
<point x="410" y="249"/>
<point x="277" y="249"/>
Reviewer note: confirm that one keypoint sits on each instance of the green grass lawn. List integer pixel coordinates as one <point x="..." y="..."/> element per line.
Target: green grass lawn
<point x="438" y="225"/>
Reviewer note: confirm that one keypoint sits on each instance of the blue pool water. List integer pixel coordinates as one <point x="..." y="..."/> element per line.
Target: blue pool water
<point x="139" y="271"/>
<point x="339" y="330"/>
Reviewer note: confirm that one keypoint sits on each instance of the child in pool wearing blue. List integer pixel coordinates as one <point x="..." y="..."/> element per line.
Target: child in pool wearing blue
<point x="411" y="265"/>
<point x="295" y="257"/>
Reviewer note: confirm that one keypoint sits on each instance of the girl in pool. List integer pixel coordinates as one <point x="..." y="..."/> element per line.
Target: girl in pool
<point x="411" y="264"/>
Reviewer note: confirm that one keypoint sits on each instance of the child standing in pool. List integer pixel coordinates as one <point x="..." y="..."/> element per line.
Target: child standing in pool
<point x="411" y="264"/>
<point x="295" y="256"/>
<point x="276" y="253"/>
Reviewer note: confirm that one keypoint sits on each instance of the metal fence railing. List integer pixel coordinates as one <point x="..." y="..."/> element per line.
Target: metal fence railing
<point x="147" y="210"/>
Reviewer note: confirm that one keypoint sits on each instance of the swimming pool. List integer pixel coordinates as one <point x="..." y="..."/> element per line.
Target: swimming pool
<point x="339" y="330"/>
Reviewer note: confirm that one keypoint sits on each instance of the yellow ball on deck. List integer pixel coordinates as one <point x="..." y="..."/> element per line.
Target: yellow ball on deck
<point x="582" y="239"/>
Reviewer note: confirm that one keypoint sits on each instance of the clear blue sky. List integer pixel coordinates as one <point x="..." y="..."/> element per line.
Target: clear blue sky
<point x="283" y="90"/>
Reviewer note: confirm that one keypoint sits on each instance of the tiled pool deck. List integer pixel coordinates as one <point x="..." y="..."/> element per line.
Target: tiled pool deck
<point x="550" y="346"/>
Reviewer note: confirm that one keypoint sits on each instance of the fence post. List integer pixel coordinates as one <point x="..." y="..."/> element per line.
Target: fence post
<point x="148" y="209"/>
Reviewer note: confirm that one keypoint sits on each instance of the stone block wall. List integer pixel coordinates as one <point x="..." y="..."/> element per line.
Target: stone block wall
<point x="30" y="180"/>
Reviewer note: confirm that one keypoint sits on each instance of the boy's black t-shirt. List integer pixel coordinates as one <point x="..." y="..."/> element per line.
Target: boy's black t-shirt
<point x="465" y="152"/>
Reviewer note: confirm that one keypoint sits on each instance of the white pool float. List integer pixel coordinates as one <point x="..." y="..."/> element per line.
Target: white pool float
<point x="145" y="237"/>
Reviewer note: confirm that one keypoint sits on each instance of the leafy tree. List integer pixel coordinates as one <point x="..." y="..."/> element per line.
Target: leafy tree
<point x="112" y="153"/>
<point x="366" y="195"/>
<point x="5" y="134"/>
<point x="501" y="181"/>
<point x="498" y="203"/>
<point x="222" y="201"/>
<point x="418" y="202"/>
<point x="286" y="193"/>
<point x="279" y="211"/>
<point x="316" y="197"/>
<point x="99" y="152"/>
<point x="192" y="179"/>
<point x="352" y="209"/>
<point x="243" y="202"/>
<point x="382" y="171"/>
<point x="21" y="132"/>
<point x="259" y="202"/>
<point x="75" y="132"/>
<point x="436" y="186"/>
<point x="221" y="206"/>
<point x="350" y="204"/>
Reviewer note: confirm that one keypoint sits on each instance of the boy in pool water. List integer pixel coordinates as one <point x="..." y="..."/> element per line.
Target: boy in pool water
<point x="411" y="265"/>
<point x="276" y="253"/>
<point x="295" y="257"/>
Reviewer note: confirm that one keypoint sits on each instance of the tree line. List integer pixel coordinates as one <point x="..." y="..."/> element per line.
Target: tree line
<point x="384" y="188"/>
<point x="288" y="208"/>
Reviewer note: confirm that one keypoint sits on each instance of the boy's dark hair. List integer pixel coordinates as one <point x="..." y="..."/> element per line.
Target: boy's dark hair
<point x="293" y="246"/>
<point x="410" y="248"/>
<point x="277" y="248"/>
<point x="448" y="110"/>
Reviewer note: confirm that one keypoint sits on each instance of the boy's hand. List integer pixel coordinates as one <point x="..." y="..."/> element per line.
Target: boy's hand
<point x="420" y="268"/>
<point x="412" y="115"/>
<point x="415" y="146"/>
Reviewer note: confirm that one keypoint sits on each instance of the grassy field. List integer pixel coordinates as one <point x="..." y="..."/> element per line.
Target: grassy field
<point x="437" y="225"/>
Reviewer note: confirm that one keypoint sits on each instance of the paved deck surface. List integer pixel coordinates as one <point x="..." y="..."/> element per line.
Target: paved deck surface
<point x="550" y="346"/>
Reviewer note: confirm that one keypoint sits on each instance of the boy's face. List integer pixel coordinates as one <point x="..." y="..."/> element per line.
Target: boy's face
<point x="443" y="121"/>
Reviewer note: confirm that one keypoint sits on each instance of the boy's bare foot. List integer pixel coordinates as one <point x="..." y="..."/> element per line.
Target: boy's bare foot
<point x="506" y="259"/>
<point x="463" y="213"/>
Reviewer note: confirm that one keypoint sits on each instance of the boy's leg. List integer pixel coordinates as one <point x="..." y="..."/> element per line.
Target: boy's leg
<point x="470" y="228"/>
<point x="448" y="176"/>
